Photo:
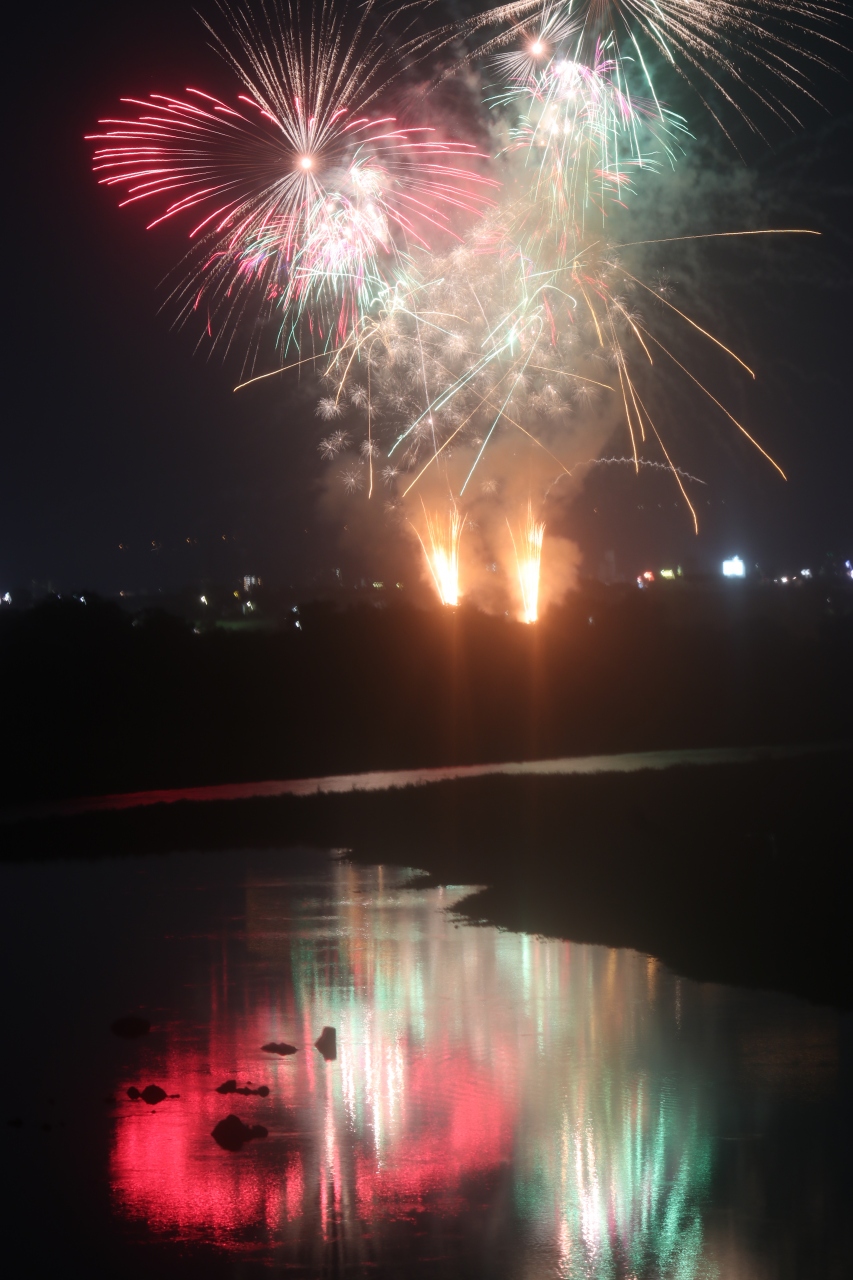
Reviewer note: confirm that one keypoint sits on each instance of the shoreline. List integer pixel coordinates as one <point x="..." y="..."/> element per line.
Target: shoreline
<point x="725" y="872"/>
<point x="397" y="779"/>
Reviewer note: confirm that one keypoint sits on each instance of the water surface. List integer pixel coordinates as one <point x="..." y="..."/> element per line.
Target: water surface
<point x="500" y="1105"/>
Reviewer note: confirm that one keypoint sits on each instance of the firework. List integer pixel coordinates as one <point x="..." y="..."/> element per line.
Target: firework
<point x="531" y="322"/>
<point x="528" y="559"/>
<point x="747" y="51"/>
<point x="304" y="198"/>
<point x="454" y="319"/>
<point x="582" y="133"/>
<point x="441" y="549"/>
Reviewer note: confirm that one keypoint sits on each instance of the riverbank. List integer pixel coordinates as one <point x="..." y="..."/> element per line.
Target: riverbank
<point x="725" y="872"/>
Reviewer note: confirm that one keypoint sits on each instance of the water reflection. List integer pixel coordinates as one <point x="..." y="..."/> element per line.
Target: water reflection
<point x="499" y="1103"/>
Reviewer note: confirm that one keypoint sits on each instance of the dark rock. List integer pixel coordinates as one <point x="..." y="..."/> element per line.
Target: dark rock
<point x="231" y="1133"/>
<point x="283" y="1049"/>
<point x="130" y="1028"/>
<point x="327" y="1043"/>
<point x="230" y="1086"/>
<point x="152" y="1094"/>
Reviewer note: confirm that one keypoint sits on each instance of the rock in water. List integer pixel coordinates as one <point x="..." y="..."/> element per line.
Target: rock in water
<point x="230" y="1086"/>
<point x="130" y="1028"/>
<point x="231" y="1133"/>
<point x="283" y="1049"/>
<point x="152" y="1094"/>
<point x="327" y="1043"/>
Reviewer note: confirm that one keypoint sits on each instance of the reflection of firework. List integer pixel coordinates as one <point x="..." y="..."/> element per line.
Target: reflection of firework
<point x="441" y="548"/>
<point x="528" y="558"/>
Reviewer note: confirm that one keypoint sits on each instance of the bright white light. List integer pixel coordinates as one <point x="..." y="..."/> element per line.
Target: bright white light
<point x="734" y="568"/>
<point x="537" y="48"/>
<point x="203" y="599"/>
<point x="305" y="162"/>
<point x="805" y="573"/>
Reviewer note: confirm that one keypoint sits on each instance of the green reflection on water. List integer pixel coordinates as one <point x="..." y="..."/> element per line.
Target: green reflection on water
<point x="466" y="1051"/>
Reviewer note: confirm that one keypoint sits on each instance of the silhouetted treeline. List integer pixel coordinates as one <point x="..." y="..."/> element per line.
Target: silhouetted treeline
<point x="97" y="701"/>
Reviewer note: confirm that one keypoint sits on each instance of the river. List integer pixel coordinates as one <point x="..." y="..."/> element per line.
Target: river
<point x="499" y="1104"/>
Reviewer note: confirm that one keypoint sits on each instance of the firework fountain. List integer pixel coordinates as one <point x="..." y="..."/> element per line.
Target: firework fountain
<point x="441" y="549"/>
<point x="475" y="334"/>
<point x="528" y="558"/>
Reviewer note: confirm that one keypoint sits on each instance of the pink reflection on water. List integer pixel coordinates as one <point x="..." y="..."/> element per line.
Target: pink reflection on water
<point x="396" y="1123"/>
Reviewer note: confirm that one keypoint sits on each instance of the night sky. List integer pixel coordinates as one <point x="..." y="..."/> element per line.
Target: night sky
<point x="117" y="431"/>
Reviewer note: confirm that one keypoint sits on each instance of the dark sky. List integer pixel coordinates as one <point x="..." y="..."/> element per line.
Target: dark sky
<point x="116" y="431"/>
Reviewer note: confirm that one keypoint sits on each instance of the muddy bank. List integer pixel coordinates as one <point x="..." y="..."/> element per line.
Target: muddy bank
<point x="726" y="873"/>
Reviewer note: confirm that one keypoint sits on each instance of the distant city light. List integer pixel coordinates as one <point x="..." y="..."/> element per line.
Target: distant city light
<point x="203" y="599"/>
<point x="805" y="573"/>
<point x="734" y="568"/>
<point x="7" y="599"/>
<point x="649" y="576"/>
<point x="667" y="573"/>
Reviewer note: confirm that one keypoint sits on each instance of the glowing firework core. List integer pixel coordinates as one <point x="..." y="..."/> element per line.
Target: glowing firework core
<point x="528" y="558"/>
<point x="305" y="162"/>
<point x="537" y="48"/>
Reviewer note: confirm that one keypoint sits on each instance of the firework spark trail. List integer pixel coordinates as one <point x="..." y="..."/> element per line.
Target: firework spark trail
<point x="528" y="560"/>
<point x="643" y="462"/>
